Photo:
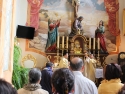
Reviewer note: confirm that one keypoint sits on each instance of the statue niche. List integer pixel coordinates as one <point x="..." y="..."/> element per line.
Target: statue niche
<point x="78" y="44"/>
<point x="77" y="47"/>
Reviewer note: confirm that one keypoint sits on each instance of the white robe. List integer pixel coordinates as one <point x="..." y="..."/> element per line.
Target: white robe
<point x="63" y="63"/>
<point x="89" y="70"/>
<point x="83" y="85"/>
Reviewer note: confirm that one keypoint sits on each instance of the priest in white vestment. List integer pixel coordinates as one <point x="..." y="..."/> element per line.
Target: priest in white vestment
<point x="64" y="61"/>
<point x="89" y="70"/>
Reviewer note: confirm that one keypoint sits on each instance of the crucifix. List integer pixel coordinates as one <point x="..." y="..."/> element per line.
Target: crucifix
<point x="76" y="4"/>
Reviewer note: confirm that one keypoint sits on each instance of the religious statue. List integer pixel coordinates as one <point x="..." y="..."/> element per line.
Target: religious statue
<point x="99" y="34"/>
<point x="89" y="70"/>
<point x="76" y="4"/>
<point x="77" y="27"/>
<point x="77" y="48"/>
<point x="52" y="34"/>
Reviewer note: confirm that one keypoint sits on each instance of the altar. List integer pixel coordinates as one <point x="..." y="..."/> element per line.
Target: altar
<point x="76" y="46"/>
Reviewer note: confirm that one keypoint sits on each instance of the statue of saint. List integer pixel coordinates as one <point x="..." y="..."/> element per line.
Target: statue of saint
<point x="52" y="34"/>
<point x="99" y="33"/>
<point x="77" y="27"/>
<point x="76" y="4"/>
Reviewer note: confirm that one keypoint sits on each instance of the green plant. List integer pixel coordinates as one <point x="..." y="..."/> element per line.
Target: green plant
<point x="20" y="74"/>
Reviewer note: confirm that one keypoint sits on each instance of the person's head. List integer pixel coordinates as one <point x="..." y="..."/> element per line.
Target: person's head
<point x="91" y="56"/>
<point x="76" y="64"/>
<point x="49" y="64"/>
<point x="80" y="18"/>
<point x="65" y="54"/>
<point x="101" y="23"/>
<point x="34" y="76"/>
<point x="62" y="81"/>
<point x="86" y="54"/>
<point x="112" y="71"/>
<point x="6" y="88"/>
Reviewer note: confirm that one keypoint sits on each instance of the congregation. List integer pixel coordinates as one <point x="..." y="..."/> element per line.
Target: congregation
<point x="68" y="80"/>
<point x="62" y="47"/>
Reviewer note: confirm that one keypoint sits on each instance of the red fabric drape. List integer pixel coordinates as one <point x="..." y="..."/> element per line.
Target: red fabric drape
<point x="34" y="12"/>
<point x="112" y="8"/>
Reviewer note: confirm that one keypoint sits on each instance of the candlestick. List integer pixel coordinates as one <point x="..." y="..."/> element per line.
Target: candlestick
<point x="98" y="43"/>
<point x="58" y="42"/>
<point x="93" y="43"/>
<point x="62" y="42"/>
<point x="89" y="43"/>
<point x="57" y="55"/>
<point x="67" y="38"/>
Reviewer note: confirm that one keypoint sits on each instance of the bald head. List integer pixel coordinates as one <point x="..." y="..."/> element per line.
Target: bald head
<point x="76" y="64"/>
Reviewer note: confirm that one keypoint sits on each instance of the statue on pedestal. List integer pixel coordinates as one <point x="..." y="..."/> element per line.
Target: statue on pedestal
<point x="99" y="33"/>
<point x="52" y="34"/>
<point x="77" y="27"/>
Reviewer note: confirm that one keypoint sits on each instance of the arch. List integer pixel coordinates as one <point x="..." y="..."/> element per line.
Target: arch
<point x="80" y="36"/>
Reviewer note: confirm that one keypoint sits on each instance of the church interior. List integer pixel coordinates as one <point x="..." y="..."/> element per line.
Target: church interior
<point x="35" y="32"/>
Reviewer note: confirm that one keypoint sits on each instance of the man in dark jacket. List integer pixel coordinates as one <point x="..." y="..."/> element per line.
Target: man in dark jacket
<point x="46" y="77"/>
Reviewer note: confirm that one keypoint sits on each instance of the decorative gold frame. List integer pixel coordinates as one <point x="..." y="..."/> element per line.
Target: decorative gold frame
<point x="29" y="57"/>
<point x="73" y="40"/>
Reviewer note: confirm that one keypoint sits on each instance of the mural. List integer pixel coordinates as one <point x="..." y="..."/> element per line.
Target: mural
<point x="92" y="10"/>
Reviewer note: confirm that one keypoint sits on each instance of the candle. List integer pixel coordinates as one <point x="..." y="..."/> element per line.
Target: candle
<point x="93" y="43"/>
<point x="89" y="43"/>
<point x="58" y="42"/>
<point x="62" y="42"/>
<point x="67" y="38"/>
<point x="98" y="43"/>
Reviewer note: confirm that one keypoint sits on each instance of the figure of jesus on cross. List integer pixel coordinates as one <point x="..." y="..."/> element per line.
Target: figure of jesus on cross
<point x="76" y="4"/>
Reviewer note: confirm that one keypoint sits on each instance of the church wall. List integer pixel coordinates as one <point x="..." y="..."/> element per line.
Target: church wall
<point x="21" y="13"/>
<point x="122" y="6"/>
<point x="7" y="16"/>
<point x="21" y="17"/>
<point x="122" y="37"/>
<point x="41" y="60"/>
